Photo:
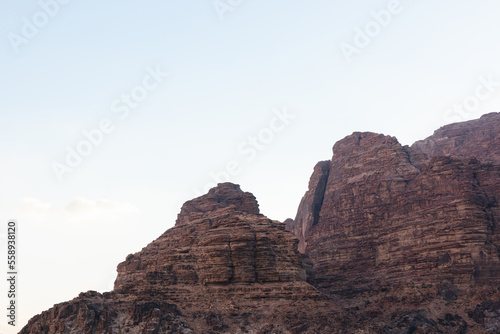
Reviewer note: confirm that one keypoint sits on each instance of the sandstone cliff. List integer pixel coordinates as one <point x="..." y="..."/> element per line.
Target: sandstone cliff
<point x="396" y="229"/>
<point x="224" y="268"/>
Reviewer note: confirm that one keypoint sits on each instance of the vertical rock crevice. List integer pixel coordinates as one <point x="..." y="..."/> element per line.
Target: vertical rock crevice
<point x="319" y="194"/>
<point x="308" y="213"/>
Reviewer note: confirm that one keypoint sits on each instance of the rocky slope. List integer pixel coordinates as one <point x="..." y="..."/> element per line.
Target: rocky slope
<point x="223" y="268"/>
<point x="410" y="231"/>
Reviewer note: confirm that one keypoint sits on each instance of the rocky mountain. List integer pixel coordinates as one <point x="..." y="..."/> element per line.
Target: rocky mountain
<point x="223" y="268"/>
<point x="387" y="239"/>
<point x="409" y="230"/>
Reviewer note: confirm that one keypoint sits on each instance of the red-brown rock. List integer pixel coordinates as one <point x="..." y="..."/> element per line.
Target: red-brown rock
<point x="399" y="229"/>
<point x="473" y="139"/>
<point x="223" y="268"/>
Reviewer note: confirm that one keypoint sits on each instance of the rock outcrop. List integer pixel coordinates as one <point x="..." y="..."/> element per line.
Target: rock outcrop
<point x="408" y="229"/>
<point x="223" y="268"/>
<point x="224" y="195"/>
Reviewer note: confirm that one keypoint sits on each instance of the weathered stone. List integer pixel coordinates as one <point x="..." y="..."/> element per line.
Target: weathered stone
<point x="224" y="195"/>
<point x="473" y="139"/>
<point x="223" y="268"/>
<point x="402" y="228"/>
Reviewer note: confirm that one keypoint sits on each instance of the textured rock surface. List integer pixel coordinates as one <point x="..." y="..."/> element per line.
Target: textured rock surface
<point x="223" y="268"/>
<point x="226" y="194"/>
<point x="404" y="229"/>
<point x="478" y="138"/>
<point x="93" y="312"/>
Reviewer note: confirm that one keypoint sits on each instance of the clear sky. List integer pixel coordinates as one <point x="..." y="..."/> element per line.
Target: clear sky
<point x="114" y="113"/>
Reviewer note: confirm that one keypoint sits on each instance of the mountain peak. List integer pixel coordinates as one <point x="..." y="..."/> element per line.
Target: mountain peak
<point x="223" y="196"/>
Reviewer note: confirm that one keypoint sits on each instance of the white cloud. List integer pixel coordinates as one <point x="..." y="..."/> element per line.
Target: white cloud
<point x="80" y="210"/>
<point x="83" y="208"/>
<point x="35" y="207"/>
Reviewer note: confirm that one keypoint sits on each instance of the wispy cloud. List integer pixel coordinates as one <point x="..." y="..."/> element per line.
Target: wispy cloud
<point x="84" y="207"/>
<point x="35" y="207"/>
<point x="77" y="211"/>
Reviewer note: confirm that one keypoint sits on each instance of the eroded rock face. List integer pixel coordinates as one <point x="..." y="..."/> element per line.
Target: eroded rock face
<point x="223" y="268"/>
<point x="488" y="315"/>
<point x="478" y="138"/>
<point x="224" y="247"/>
<point x="310" y="206"/>
<point x="403" y="228"/>
<point x="92" y="312"/>
<point x="222" y="196"/>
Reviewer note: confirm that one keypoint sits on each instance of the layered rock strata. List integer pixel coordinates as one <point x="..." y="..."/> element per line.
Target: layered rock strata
<point x="223" y="268"/>
<point x="391" y="225"/>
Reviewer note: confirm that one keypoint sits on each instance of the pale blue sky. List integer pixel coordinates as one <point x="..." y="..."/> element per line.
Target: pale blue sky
<point x="225" y="79"/>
